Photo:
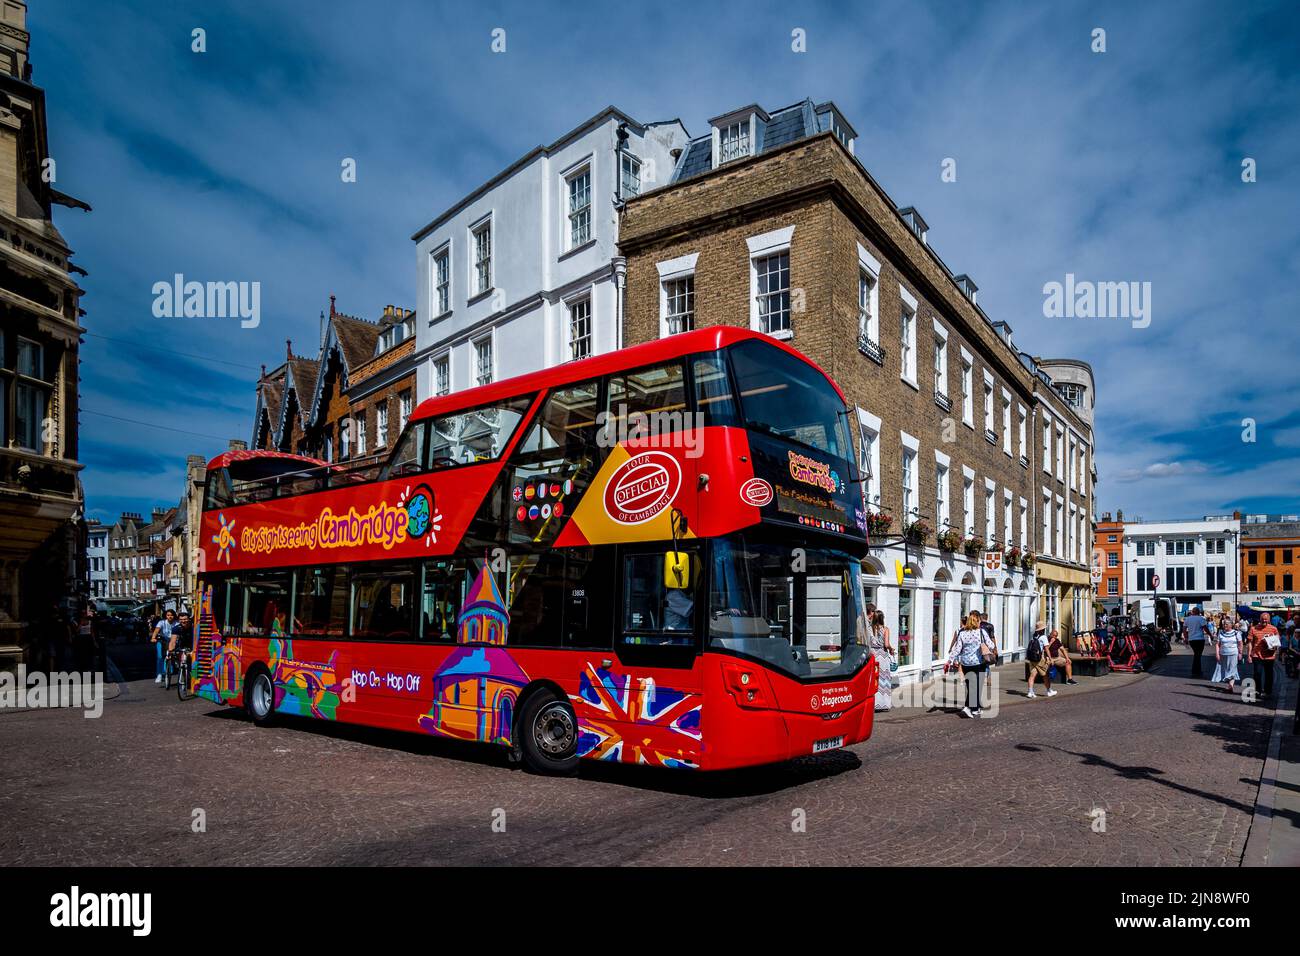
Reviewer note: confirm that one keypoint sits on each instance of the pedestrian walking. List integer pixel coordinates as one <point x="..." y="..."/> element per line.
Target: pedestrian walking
<point x="991" y="659"/>
<point x="1227" y="651"/>
<point x="883" y="650"/>
<point x="1194" y="624"/>
<point x="1262" y="644"/>
<point x="1036" y="655"/>
<point x="966" y="652"/>
<point x="161" y="638"/>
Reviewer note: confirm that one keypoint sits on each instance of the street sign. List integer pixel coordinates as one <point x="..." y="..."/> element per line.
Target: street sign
<point x="1155" y="581"/>
<point x="993" y="561"/>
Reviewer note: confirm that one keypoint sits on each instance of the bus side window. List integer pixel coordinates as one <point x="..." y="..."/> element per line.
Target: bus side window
<point x="383" y="603"/>
<point x="589" y="587"/>
<point x="442" y="591"/>
<point x="320" y="601"/>
<point x="659" y="391"/>
<point x="536" y="589"/>
<point x="714" y="400"/>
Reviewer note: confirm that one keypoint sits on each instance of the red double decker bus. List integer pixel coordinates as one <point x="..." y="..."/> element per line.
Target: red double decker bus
<point x="649" y="556"/>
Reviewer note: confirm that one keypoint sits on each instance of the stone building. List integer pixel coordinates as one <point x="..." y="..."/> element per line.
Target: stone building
<point x="352" y="400"/>
<point x="769" y="221"/>
<point x="41" y="500"/>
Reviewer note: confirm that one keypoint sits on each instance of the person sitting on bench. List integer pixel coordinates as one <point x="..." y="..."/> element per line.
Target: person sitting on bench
<point x="1057" y="654"/>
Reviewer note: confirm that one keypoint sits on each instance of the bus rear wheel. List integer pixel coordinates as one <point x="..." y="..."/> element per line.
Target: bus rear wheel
<point x="259" y="698"/>
<point x="548" y="733"/>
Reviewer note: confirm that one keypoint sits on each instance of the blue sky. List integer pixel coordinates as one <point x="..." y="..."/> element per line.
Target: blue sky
<point x="1121" y="166"/>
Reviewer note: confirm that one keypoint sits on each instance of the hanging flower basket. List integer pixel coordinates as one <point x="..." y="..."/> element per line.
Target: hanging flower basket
<point x="918" y="531"/>
<point x="878" y="524"/>
<point x="950" y="540"/>
<point x="973" y="545"/>
<point x="1012" y="557"/>
<point x="1027" y="560"/>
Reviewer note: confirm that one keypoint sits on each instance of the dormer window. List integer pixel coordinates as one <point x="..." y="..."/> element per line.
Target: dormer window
<point x="733" y="141"/>
<point x="737" y="135"/>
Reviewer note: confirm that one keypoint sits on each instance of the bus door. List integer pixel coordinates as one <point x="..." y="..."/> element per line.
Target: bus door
<point x="657" y="624"/>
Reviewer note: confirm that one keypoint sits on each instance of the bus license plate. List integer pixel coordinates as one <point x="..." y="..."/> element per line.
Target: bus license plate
<point x="830" y="743"/>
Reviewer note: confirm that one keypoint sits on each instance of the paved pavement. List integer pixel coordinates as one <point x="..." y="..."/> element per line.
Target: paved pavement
<point x="1170" y="766"/>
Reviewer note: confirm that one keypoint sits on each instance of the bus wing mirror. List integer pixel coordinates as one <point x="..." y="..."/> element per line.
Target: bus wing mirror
<point x="677" y="570"/>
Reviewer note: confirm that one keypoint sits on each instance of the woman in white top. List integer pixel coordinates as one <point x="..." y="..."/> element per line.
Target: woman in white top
<point x="966" y="652"/>
<point x="1227" y="651"/>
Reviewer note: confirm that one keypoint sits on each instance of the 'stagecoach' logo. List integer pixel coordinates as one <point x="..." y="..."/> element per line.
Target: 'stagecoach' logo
<point x="642" y="486"/>
<point x="756" y="492"/>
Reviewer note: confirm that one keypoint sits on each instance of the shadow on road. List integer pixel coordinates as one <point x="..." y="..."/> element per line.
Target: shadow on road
<point x="718" y="785"/>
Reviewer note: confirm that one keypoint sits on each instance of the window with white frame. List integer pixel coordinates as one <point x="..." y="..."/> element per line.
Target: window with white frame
<point x="868" y="306"/>
<point x="1008" y="532"/>
<point x="990" y="513"/>
<point x="1006" y="422"/>
<point x="679" y="304"/>
<point x="360" y="427"/>
<point x="1022" y="431"/>
<point x="403" y="409"/>
<point x="484" y="364"/>
<point x="911" y="493"/>
<point x="733" y="141"/>
<point x="1071" y="470"/>
<point x="968" y="502"/>
<point x="579" y="187"/>
<point x="381" y="424"/>
<point x="907" y="338"/>
<point x="940" y="360"/>
<point x="1024" y="525"/>
<point x="988" y="404"/>
<point x="942" y="514"/>
<point x="1112" y="587"/>
<point x="772" y="276"/>
<point x="869" y="439"/>
<point x="1047" y="446"/>
<point x="580" y="328"/>
<point x="442" y="375"/>
<point x="630" y="170"/>
<point x="1060" y="453"/>
<point x="442" y="281"/>
<point x="1047" y="523"/>
<point x="1060" y="528"/>
<point x="482" y="242"/>
<point x="1071" y="541"/>
<point x="967" y="389"/>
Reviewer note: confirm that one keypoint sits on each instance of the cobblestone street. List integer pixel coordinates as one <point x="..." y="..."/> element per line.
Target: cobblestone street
<point x="1173" y="763"/>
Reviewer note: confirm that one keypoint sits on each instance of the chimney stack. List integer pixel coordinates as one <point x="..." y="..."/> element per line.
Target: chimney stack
<point x="238" y="444"/>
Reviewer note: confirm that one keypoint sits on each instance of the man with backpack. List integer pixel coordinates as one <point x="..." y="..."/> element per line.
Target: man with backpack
<point x="1036" y="655"/>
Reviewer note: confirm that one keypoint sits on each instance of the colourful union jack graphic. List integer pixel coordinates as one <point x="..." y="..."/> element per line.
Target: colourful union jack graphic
<point x="622" y="718"/>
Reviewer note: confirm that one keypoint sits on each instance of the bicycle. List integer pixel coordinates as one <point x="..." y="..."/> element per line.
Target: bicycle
<point x="178" y="663"/>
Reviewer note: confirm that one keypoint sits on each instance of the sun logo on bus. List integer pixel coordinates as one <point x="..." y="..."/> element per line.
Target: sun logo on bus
<point x="225" y="538"/>
<point x="423" y="519"/>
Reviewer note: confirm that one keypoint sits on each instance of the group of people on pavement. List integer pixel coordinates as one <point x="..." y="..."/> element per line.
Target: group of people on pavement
<point x="1233" y="638"/>
<point x="972" y="653"/>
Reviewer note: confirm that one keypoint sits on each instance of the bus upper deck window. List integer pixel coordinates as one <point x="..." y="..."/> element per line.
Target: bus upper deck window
<point x="714" y="400"/>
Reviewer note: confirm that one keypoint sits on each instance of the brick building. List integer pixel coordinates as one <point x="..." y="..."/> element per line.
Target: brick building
<point x="769" y="221"/>
<point x="1270" y="558"/>
<point x="352" y="400"/>
<point x="1109" y="548"/>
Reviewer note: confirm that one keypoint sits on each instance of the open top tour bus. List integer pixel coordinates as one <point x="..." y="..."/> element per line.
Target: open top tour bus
<point x="648" y="556"/>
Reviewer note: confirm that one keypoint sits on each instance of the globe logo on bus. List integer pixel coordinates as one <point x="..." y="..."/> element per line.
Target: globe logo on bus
<point x="419" y="511"/>
<point x="642" y="487"/>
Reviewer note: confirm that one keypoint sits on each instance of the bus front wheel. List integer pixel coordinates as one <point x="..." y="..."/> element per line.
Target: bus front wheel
<point x="548" y="734"/>
<point x="259" y="697"/>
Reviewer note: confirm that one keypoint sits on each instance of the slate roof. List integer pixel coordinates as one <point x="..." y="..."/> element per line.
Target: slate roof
<point x="783" y="126"/>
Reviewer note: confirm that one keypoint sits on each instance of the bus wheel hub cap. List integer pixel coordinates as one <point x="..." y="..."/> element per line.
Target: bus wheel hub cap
<point x="553" y="730"/>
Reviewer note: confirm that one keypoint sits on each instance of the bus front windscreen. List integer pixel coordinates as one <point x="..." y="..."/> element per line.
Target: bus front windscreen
<point x="797" y="608"/>
<point x="784" y="396"/>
